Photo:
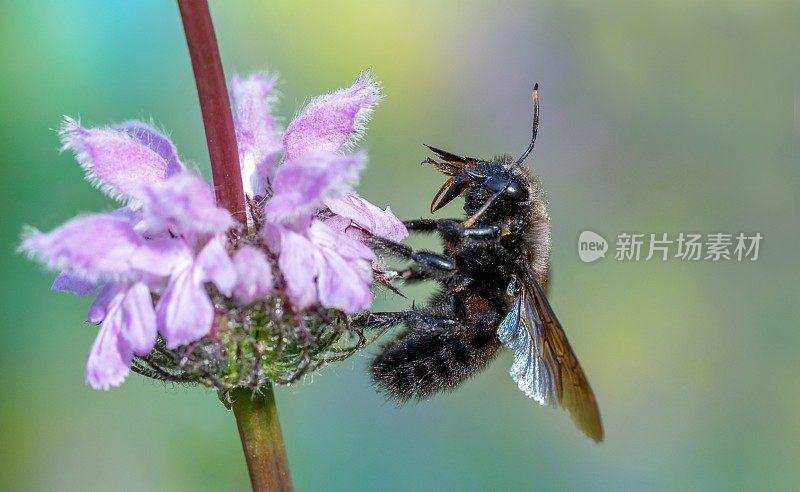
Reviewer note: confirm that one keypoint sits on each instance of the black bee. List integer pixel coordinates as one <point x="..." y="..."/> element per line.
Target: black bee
<point x="492" y="273"/>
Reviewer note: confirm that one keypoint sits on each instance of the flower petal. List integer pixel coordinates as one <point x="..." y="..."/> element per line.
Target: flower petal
<point x="272" y="234"/>
<point x="92" y="247"/>
<point x="214" y="265"/>
<point x="332" y="121"/>
<point x="108" y="297"/>
<point x="155" y="141"/>
<point x="259" y="143"/>
<point x="138" y="319"/>
<point x="109" y="360"/>
<point x="297" y="265"/>
<point x="114" y="160"/>
<point x="253" y="275"/>
<point x="301" y="185"/>
<point x="379" y="222"/>
<point x="323" y="236"/>
<point x="68" y="282"/>
<point x="161" y="257"/>
<point x="340" y="283"/>
<point x="184" y="313"/>
<point x="183" y="204"/>
<point x="347" y="226"/>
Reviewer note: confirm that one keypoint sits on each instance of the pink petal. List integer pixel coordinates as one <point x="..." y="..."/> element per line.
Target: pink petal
<point x="338" y="223"/>
<point x="259" y="143"/>
<point x="340" y="283"/>
<point x="214" y="265"/>
<point x="161" y="257"/>
<point x="68" y="282"/>
<point x="155" y="141"/>
<point x="92" y="247"/>
<point x="272" y="234"/>
<point x="323" y="236"/>
<point x="102" y="304"/>
<point x="379" y="222"/>
<point x="183" y="204"/>
<point x="132" y="214"/>
<point x="110" y="357"/>
<point x="184" y="313"/>
<point x="114" y="160"/>
<point x="254" y="275"/>
<point x="332" y="121"/>
<point x="297" y="265"/>
<point x="138" y="319"/>
<point x="303" y="184"/>
<point x="346" y="226"/>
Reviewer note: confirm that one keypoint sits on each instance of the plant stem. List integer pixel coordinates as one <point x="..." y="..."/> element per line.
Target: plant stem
<point x="256" y="415"/>
<point x="260" y="430"/>
<point x="215" y="105"/>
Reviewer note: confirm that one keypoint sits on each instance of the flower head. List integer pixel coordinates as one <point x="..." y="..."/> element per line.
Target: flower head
<point x="177" y="296"/>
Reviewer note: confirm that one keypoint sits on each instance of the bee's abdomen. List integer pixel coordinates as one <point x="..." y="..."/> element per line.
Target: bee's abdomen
<point x="424" y="360"/>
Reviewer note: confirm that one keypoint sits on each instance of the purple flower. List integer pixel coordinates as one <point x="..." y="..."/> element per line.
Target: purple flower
<point x="320" y="264"/>
<point x="146" y="248"/>
<point x="163" y="265"/>
<point x="106" y="251"/>
<point x="184" y="312"/>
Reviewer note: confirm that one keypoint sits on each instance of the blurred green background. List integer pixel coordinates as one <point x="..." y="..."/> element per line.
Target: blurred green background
<point x="656" y="117"/>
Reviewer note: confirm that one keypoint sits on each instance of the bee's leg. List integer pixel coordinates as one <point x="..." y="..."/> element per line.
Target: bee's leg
<point x="425" y="259"/>
<point x="426" y="225"/>
<point x="455" y="232"/>
<point x="419" y="274"/>
<point x="453" y="229"/>
<point x="411" y="318"/>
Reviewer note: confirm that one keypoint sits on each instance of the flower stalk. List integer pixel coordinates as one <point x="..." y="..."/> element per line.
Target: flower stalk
<point x="214" y="105"/>
<point x="262" y="442"/>
<point x="256" y="413"/>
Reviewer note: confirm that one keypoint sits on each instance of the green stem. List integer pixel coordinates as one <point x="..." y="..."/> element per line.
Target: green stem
<point x="260" y="431"/>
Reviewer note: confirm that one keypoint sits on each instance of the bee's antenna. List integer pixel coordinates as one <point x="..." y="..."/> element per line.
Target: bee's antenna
<point x="535" y="97"/>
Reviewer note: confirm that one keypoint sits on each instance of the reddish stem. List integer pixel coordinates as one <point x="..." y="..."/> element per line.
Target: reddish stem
<point x="256" y="415"/>
<point x="215" y="105"/>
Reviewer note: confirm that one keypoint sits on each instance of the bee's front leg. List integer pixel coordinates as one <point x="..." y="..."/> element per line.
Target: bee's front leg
<point x="426" y="225"/>
<point x="455" y="232"/>
<point x="426" y="259"/>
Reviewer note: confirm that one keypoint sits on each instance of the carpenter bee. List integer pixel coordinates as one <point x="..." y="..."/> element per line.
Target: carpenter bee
<point x="492" y="273"/>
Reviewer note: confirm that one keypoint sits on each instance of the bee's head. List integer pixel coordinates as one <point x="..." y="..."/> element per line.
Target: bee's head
<point x="497" y="188"/>
<point x="505" y="183"/>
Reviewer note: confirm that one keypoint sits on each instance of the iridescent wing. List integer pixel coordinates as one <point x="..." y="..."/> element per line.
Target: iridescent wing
<point x="545" y="368"/>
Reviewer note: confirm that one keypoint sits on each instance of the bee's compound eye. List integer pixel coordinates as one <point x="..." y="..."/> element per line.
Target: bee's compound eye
<point x="515" y="191"/>
<point x="509" y="186"/>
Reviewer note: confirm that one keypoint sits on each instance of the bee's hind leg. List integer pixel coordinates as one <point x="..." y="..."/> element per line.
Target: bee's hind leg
<point x="411" y="318"/>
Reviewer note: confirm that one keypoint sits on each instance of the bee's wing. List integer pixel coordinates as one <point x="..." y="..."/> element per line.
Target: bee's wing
<point x="545" y="367"/>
